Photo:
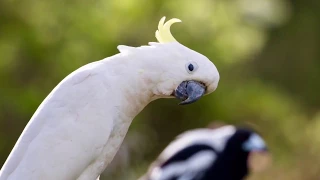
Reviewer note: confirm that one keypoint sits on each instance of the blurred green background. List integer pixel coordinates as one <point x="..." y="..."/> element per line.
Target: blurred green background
<point x="267" y="53"/>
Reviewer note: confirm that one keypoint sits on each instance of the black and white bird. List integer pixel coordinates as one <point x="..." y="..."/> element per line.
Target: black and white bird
<point x="225" y="153"/>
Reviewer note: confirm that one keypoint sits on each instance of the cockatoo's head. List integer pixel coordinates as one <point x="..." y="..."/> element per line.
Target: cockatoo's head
<point x="185" y="74"/>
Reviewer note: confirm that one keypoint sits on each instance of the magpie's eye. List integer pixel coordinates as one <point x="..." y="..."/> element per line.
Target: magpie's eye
<point x="191" y="67"/>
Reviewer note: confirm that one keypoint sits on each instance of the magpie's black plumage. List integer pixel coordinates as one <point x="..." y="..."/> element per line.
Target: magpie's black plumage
<point x="207" y="154"/>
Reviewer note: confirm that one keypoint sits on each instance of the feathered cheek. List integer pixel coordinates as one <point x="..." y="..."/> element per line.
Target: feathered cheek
<point x="147" y="80"/>
<point x="165" y="88"/>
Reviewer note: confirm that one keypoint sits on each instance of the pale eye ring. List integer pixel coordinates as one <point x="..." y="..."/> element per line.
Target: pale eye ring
<point x="191" y="67"/>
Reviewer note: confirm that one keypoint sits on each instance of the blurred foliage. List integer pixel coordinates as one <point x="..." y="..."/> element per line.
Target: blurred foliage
<point x="267" y="53"/>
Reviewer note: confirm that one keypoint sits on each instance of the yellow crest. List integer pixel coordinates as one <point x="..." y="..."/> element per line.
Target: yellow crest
<point x="163" y="33"/>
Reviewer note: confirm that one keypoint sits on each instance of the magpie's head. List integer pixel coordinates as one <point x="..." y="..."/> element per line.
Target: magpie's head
<point x="252" y="147"/>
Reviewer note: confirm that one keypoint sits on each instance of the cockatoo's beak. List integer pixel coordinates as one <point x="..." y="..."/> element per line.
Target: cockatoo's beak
<point x="189" y="92"/>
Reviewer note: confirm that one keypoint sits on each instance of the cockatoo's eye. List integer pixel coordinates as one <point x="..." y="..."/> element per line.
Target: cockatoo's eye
<point x="191" y="67"/>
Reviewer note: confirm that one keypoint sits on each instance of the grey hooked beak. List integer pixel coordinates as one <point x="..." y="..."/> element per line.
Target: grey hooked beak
<point x="189" y="92"/>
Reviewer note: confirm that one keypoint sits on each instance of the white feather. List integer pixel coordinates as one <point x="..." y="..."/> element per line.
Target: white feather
<point x="215" y="138"/>
<point x="185" y="170"/>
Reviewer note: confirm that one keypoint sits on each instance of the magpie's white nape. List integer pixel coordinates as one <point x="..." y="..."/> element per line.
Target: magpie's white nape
<point x="222" y="153"/>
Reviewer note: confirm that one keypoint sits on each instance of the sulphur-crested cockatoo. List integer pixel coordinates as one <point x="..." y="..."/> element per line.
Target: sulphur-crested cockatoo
<point x="78" y="128"/>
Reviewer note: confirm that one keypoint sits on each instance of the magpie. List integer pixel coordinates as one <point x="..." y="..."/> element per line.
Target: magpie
<point x="223" y="153"/>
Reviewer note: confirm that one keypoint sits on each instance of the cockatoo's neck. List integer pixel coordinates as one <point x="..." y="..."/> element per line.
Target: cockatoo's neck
<point x="129" y="87"/>
<point x="134" y="82"/>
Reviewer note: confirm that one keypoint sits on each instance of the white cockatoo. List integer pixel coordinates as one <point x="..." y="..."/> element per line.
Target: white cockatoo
<point x="78" y="128"/>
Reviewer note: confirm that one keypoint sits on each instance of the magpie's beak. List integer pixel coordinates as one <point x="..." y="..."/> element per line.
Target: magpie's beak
<point x="189" y="92"/>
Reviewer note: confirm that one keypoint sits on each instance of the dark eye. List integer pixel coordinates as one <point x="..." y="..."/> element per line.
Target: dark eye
<point x="191" y="67"/>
